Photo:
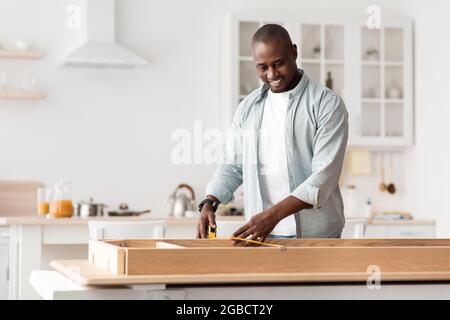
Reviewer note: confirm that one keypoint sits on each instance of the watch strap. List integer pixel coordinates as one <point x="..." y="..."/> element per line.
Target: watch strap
<point x="212" y="203"/>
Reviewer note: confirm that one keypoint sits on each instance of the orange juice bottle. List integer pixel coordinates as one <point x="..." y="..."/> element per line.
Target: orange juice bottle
<point x="61" y="206"/>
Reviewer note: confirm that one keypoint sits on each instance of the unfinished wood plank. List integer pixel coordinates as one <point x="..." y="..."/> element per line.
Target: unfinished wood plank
<point x="166" y="245"/>
<point x="200" y="243"/>
<point x="19" y="198"/>
<point x="269" y="260"/>
<point x="81" y="272"/>
<point x="107" y="256"/>
<point x="119" y="243"/>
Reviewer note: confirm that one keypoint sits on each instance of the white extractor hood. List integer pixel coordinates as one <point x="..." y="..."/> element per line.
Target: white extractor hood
<point x="100" y="49"/>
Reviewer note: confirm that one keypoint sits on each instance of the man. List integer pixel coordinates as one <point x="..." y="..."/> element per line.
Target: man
<point x="291" y="167"/>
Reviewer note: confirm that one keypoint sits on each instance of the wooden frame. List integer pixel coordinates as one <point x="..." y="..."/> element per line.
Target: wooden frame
<point x="18" y="54"/>
<point x="21" y="95"/>
<point x="297" y="260"/>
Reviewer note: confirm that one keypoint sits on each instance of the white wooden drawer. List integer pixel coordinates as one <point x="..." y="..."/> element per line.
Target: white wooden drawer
<point x="375" y="232"/>
<point x="417" y="231"/>
<point x="400" y="231"/>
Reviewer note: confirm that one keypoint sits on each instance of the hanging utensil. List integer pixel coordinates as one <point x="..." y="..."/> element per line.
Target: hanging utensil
<point x="391" y="186"/>
<point x="382" y="186"/>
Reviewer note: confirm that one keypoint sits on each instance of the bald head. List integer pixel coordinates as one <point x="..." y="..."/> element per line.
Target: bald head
<point x="272" y="33"/>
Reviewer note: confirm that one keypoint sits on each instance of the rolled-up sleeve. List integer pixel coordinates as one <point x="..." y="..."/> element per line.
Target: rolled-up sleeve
<point x="329" y="146"/>
<point x="228" y="175"/>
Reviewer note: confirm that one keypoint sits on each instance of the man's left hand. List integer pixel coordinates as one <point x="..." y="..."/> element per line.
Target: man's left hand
<point x="257" y="229"/>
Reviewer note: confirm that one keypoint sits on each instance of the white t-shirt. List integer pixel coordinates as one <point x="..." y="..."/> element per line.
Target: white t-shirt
<point x="273" y="177"/>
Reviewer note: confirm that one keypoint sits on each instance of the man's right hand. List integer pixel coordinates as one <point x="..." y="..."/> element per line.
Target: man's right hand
<point x="207" y="217"/>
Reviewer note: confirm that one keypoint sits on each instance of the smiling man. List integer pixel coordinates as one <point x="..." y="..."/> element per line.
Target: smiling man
<point x="291" y="164"/>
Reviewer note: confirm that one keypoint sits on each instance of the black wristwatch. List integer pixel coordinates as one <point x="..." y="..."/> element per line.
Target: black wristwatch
<point x="212" y="203"/>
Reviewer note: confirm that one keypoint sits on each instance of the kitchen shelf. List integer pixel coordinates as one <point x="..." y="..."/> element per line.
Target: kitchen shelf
<point x="334" y="61"/>
<point x="245" y="58"/>
<point x="370" y="100"/>
<point x="313" y="61"/>
<point x="386" y="63"/>
<point x="19" y="95"/>
<point x="371" y="63"/>
<point x="393" y="63"/>
<point x="16" y="54"/>
<point x="393" y="100"/>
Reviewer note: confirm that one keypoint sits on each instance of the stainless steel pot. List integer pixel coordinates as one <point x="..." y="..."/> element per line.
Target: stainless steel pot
<point x="90" y="209"/>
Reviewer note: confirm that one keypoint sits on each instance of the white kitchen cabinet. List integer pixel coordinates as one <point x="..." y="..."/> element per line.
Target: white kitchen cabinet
<point x="414" y="229"/>
<point x="384" y="101"/>
<point x="323" y="52"/>
<point x="238" y="67"/>
<point x="4" y="262"/>
<point x="371" y="70"/>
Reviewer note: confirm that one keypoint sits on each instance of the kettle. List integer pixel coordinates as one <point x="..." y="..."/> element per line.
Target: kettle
<point x="181" y="202"/>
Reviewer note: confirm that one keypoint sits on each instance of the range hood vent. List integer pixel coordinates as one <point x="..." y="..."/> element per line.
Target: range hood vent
<point x="100" y="49"/>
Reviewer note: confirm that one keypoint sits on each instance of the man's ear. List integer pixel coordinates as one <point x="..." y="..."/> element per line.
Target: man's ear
<point x="294" y="51"/>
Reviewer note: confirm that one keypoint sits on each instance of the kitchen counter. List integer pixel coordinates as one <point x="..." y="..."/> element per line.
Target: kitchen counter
<point x="34" y="241"/>
<point x="401" y="222"/>
<point x="52" y="285"/>
<point x="36" y="220"/>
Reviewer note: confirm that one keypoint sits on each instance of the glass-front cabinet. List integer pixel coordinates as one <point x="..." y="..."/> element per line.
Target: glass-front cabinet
<point x="322" y="54"/>
<point x="370" y="69"/>
<point x="385" y="113"/>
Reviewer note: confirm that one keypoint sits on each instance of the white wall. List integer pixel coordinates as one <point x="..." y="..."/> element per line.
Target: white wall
<point x="428" y="164"/>
<point x="367" y="187"/>
<point x="109" y="131"/>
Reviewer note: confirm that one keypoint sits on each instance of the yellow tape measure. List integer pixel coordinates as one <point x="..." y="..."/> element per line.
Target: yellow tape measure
<point x="212" y="232"/>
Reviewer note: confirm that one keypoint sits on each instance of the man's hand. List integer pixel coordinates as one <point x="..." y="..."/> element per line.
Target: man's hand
<point x="207" y="217"/>
<point x="258" y="228"/>
<point x="260" y="225"/>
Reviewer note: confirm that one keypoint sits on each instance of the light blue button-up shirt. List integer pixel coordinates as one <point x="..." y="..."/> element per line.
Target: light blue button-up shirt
<point x="316" y="138"/>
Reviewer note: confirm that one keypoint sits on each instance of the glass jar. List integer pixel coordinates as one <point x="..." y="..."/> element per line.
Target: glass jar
<point x="44" y="198"/>
<point x="62" y="206"/>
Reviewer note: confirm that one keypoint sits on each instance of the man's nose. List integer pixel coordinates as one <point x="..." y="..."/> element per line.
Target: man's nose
<point x="272" y="73"/>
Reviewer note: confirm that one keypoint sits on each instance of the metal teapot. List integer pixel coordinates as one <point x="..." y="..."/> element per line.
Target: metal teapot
<point x="181" y="202"/>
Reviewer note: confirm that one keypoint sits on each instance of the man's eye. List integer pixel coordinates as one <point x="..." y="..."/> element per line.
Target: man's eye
<point x="262" y="68"/>
<point x="279" y="64"/>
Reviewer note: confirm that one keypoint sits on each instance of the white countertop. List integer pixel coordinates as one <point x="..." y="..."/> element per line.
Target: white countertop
<point x="401" y="222"/>
<point x="36" y="220"/>
<point x="33" y="220"/>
